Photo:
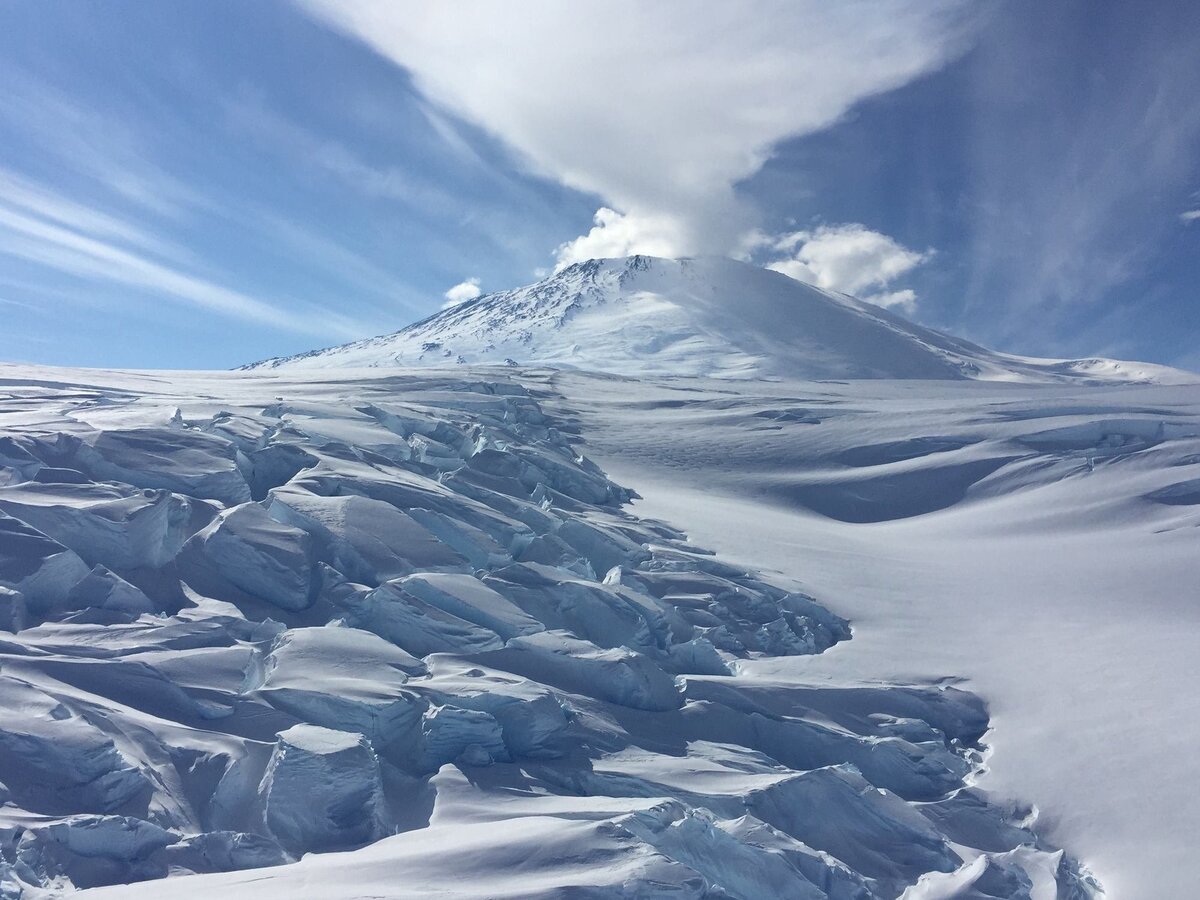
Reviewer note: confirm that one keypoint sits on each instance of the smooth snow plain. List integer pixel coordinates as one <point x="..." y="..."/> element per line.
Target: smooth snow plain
<point x="397" y="627"/>
<point x="1036" y="544"/>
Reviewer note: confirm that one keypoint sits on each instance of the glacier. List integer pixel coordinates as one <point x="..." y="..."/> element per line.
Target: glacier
<point x="413" y="662"/>
<point x="655" y="579"/>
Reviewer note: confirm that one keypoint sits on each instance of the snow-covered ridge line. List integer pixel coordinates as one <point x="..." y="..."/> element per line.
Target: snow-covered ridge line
<point x="701" y="317"/>
<point x="251" y="617"/>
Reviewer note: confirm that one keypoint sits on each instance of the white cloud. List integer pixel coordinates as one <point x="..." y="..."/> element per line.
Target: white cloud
<point x="1190" y="216"/>
<point x="904" y="300"/>
<point x="462" y="292"/>
<point x="657" y="108"/>
<point x="617" y="234"/>
<point x="849" y="258"/>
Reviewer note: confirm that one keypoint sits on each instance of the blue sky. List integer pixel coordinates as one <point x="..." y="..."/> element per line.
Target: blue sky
<point x="205" y="184"/>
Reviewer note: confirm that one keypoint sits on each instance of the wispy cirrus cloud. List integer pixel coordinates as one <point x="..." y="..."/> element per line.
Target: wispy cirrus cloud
<point x="187" y="189"/>
<point x="112" y="201"/>
<point x="1068" y="192"/>
<point x="26" y="195"/>
<point x="107" y="147"/>
<point x="665" y="111"/>
<point x="40" y="226"/>
<point x="305" y="148"/>
<point x="375" y="288"/>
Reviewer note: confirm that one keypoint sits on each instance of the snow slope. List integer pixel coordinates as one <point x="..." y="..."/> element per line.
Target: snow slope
<point x="1041" y="542"/>
<point x="395" y="626"/>
<point x="699" y="317"/>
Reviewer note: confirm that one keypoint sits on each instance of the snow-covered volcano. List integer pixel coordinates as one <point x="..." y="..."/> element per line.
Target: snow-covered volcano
<point x="644" y="315"/>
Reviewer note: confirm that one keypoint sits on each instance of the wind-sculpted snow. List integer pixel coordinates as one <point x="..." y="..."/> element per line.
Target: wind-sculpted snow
<point x="708" y="316"/>
<point x="247" y="618"/>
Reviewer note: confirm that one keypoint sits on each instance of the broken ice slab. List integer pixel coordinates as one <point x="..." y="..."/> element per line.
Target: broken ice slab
<point x="38" y="567"/>
<point x="322" y="790"/>
<point x="257" y="554"/>
<point x="370" y="541"/>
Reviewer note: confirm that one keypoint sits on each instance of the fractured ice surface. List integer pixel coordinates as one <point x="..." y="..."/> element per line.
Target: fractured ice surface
<point x="368" y="540"/>
<point x="102" y="589"/>
<point x="265" y="558"/>
<point x="322" y="790"/>
<point x="341" y="677"/>
<point x="319" y="616"/>
<point x="115" y="525"/>
<point x="37" y="566"/>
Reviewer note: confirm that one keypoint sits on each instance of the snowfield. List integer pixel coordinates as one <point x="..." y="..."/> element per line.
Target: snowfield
<point x="1039" y="542"/>
<point x="257" y="617"/>
<point x="525" y="630"/>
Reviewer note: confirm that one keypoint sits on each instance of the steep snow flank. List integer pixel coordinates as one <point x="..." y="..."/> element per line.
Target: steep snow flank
<point x="709" y="316"/>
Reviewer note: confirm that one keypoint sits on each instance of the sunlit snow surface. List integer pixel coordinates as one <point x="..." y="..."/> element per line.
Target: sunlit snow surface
<point x="708" y="316"/>
<point x="1040" y="541"/>
<point x="249" y="617"/>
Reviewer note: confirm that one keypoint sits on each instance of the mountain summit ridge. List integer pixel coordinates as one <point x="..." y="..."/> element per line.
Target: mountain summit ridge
<point x="701" y="316"/>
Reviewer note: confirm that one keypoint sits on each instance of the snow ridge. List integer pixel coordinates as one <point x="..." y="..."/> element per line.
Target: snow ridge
<point x="404" y="616"/>
<point x="699" y="317"/>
